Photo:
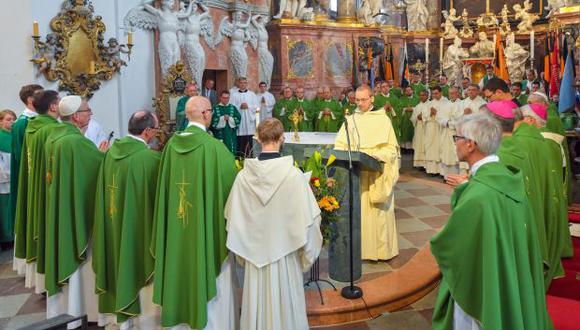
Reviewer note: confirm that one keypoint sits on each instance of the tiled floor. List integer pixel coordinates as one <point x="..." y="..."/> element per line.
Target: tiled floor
<point x="421" y="210"/>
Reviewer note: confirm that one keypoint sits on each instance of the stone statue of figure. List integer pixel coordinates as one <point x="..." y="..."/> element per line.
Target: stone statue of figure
<point x="554" y="6"/>
<point x="304" y="13"/>
<point x="453" y="62"/>
<point x="516" y="57"/>
<point x="505" y="24"/>
<point x="364" y="13"/>
<point x="288" y="9"/>
<point x="450" y="31"/>
<point x="527" y="19"/>
<point x="239" y="34"/>
<point x="198" y="22"/>
<point x="417" y="15"/>
<point x="259" y="41"/>
<point x="466" y="31"/>
<point x="145" y="16"/>
<point x="484" y="47"/>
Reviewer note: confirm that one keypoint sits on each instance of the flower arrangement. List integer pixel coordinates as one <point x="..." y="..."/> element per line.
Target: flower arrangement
<point x="325" y="190"/>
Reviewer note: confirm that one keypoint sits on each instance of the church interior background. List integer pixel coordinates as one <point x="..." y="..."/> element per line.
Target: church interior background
<point x="338" y="43"/>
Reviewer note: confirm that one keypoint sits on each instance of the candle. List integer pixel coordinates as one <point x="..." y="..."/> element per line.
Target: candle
<point x="495" y="39"/>
<point x="35" y="29"/>
<point x="487" y="6"/>
<point x="440" y="49"/>
<point x="257" y="116"/>
<point x="532" y="44"/>
<point x="92" y="67"/>
<point x="426" y="50"/>
<point x="130" y="38"/>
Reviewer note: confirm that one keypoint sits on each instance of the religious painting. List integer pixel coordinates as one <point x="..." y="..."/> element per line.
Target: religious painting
<point x="475" y="8"/>
<point x="370" y="53"/>
<point x="339" y="60"/>
<point x="300" y="59"/>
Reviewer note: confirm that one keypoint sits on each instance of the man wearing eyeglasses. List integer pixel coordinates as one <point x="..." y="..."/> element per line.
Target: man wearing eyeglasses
<point x="72" y="164"/>
<point x="189" y="236"/>
<point x="488" y="253"/>
<point x="125" y="199"/>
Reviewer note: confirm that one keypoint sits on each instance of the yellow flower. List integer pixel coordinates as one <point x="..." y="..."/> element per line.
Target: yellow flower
<point x="317" y="183"/>
<point x="331" y="160"/>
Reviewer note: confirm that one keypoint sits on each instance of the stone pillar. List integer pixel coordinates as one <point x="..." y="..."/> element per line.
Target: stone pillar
<point x="346" y="11"/>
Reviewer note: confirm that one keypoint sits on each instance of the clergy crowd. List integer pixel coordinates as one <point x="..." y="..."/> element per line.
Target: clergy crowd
<point x="140" y="238"/>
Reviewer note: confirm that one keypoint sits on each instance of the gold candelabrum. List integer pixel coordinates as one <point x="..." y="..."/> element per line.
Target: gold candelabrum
<point x="296" y="119"/>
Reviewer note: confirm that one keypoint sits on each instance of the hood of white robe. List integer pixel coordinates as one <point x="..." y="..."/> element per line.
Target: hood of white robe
<point x="264" y="178"/>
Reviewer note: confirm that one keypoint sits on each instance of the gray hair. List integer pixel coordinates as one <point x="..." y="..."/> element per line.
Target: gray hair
<point x="528" y="112"/>
<point x="484" y="130"/>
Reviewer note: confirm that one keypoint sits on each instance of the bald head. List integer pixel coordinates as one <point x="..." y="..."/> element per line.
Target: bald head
<point x="198" y="109"/>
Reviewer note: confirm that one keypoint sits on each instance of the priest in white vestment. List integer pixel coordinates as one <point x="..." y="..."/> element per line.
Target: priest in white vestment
<point x="433" y="129"/>
<point x="419" y="135"/>
<point x="273" y="224"/>
<point x="447" y="119"/>
<point x="247" y="103"/>
<point x="266" y="101"/>
<point x="371" y="132"/>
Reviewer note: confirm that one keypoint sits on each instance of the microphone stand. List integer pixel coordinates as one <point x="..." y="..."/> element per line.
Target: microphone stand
<point x="351" y="291"/>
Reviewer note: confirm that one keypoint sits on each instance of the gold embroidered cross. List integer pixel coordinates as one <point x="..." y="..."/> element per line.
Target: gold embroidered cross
<point x="184" y="205"/>
<point x="113" y="197"/>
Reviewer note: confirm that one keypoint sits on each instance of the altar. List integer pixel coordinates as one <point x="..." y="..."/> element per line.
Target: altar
<point x="308" y="141"/>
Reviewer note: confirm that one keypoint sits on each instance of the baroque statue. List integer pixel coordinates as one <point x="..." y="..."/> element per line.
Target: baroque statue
<point x="417" y="15"/>
<point x="112" y="54"/>
<point x="466" y="31"/>
<point x="197" y="22"/>
<point x="288" y="9"/>
<point x="505" y="24"/>
<point x="527" y="18"/>
<point x="364" y="13"/>
<point x="239" y="34"/>
<point x="554" y="6"/>
<point x="259" y="41"/>
<point x="167" y="21"/>
<point x="453" y="62"/>
<point x="516" y="57"/>
<point x="483" y="47"/>
<point x="450" y="31"/>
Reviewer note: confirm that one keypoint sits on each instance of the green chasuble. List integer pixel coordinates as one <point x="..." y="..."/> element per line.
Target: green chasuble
<point x="328" y="123"/>
<point x="554" y="125"/>
<point x="489" y="256"/>
<point x="309" y="113"/>
<point x="418" y="87"/>
<point x="396" y="91"/>
<point x="445" y="90"/>
<point x="350" y="107"/>
<point x="29" y="227"/>
<point x="17" y="132"/>
<point x="281" y="109"/>
<point x="71" y="173"/>
<point x="396" y="116"/>
<point x="6" y="220"/>
<point x="180" y="119"/>
<point x="124" y="211"/>
<point x="407" y="128"/>
<point x="189" y="236"/>
<point x="223" y="130"/>
<point x="523" y="99"/>
<point x="527" y="150"/>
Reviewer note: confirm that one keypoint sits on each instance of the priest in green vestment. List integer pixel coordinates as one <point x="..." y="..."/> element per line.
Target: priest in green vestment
<point x="407" y="103"/>
<point x="72" y="164"/>
<point x="192" y="276"/>
<point x="394" y="110"/>
<point x="305" y="109"/>
<point x="444" y="86"/>
<point x="180" y="120"/>
<point x="7" y="118"/>
<point x="488" y="254"/>
<point x="30" y="219"/>
<point x="329" y="115"/>
<point x="225" y="121"/>
<point x="27" y="97"/>
<point x="125" y="198"/>
<point x="518" y="95"/>
<point x="282" y="105"/>
<point x="351" y="104"/>
<point x="396" y="91"/>
<point x="523" y="147"/>
<point x="417" y="85"/>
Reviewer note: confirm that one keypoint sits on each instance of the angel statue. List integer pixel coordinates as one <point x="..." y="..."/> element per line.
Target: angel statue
<point x="198" y="22"/>
<point x="483" y="47"/>
<point x="554" y="6"/>
<point x="112" y="54"/>
<point x="147" y="17"/>
<point x="450" y="30"/>
<point x="259" y="41"/>
<point x="239" y="35"/>
<point x="505" y="24"/>
<point x="45" y="57"/>
<point x="516" y="57"/>
<point x="528" y="19"/>
<point x="453" y="62"/>
<point x="417" y="15"/>
<point x="466" y="31"/>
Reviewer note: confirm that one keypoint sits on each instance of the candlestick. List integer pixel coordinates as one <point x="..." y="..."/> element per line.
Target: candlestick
<point x="426" y="50"/>
<point x="130" y="38"/>
<point x="532" y="44"/>
<point x="92" y="67"/>
<point x="440" y="49"/>
<point x="35" y="31"/>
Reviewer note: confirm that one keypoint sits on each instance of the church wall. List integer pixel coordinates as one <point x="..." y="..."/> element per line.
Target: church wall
<point x="129" y="91"/>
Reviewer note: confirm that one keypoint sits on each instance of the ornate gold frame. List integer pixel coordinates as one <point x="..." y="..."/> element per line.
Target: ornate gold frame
<point x="289" y="45"/>
<point x="172" y="86"/>
<point x="75" y="53"/>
